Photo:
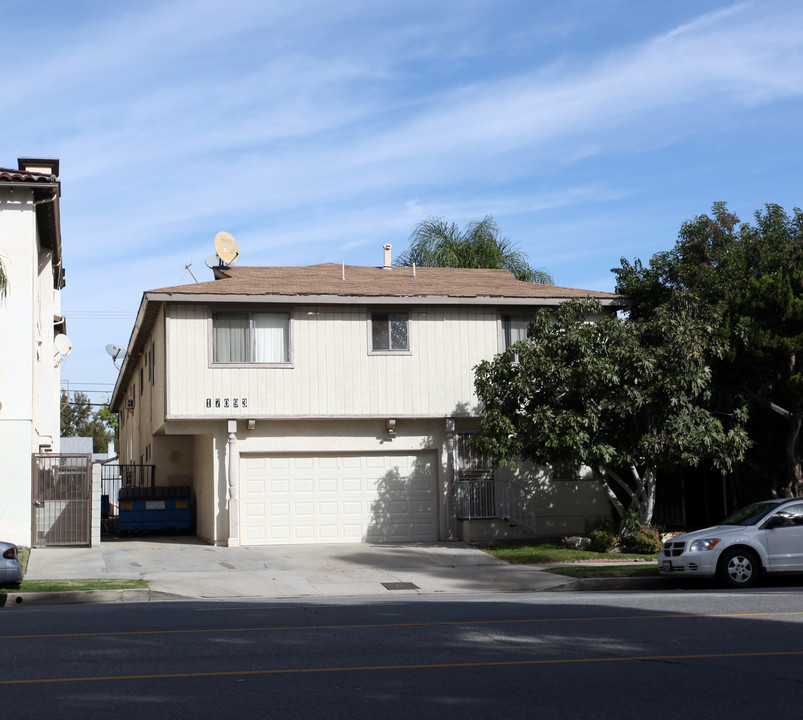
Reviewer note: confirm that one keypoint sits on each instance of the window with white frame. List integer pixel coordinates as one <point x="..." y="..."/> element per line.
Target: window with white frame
<point x="251" y="337"/>
<point x="389" y="332"/>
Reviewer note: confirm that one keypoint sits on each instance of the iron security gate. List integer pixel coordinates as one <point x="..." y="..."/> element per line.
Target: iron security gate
<point x="476" y="484"/>
<point x="62" y="500"/>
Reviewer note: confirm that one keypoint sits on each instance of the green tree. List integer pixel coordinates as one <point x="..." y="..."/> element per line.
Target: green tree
<point x="624" y="397"/>
<point x="753" y="276"/>
<point x="437" y="243"/>
<point x="79" y="420"/>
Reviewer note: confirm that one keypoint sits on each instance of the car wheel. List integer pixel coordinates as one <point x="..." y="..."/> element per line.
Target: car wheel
<point x="738" y="568"/>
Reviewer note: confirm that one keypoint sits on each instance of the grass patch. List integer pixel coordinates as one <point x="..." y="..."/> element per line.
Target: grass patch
<point x="70" y="585"/>
<point x="603" y="571"/>
<point x="545" y="553"/>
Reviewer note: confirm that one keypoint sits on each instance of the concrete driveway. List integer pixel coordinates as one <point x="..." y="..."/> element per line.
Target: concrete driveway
<point x="183" y="567"/>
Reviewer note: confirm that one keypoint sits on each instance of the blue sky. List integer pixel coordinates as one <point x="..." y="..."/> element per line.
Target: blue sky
<point x="317" y="131"/>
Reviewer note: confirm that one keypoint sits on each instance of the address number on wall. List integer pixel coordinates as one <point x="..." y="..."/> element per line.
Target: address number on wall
<point x="226" y="402"/>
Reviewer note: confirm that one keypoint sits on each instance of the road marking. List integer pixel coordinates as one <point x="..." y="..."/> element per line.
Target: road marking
<point x="373" y="626"/>
<point x="422" y="666"/>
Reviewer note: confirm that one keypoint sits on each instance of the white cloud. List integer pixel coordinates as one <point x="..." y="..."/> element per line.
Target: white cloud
<point x="317" y="131"/>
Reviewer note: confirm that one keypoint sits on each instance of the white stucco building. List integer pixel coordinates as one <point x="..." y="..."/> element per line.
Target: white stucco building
<point x="331" y="403"/>
<point x="30" y="320"/>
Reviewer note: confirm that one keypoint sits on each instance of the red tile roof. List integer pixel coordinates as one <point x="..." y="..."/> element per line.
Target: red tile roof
<point x="7" y="175"/>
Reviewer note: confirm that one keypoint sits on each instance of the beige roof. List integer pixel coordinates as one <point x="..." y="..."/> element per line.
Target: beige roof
<point x="332" y="279"/>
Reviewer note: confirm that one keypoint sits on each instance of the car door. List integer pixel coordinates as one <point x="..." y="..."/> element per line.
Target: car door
<point x="784" y="536"/>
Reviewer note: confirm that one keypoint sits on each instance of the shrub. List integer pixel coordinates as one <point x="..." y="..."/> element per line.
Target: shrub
<point x="642" y="540"/>
<point x="602" y="540"/>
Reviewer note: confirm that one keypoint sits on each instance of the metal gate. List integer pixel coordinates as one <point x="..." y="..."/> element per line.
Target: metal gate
<point x="476" y="483"/>
<point x="62" y="500"/>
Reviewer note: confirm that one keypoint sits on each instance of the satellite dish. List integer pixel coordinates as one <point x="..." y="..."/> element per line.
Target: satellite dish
<point x="104" y="399"/>
<point x="212" y="261"/>
<point x="63" y="344"/>
<point x="115" y="351"/>
<point x="226" y="248"/>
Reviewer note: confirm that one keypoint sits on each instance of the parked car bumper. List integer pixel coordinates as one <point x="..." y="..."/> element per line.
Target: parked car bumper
<point x="10" y="568"/>
<point x="697" y="564"/>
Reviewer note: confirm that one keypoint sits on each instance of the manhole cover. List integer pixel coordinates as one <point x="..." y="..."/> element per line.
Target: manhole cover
<point x="401" y="586"/>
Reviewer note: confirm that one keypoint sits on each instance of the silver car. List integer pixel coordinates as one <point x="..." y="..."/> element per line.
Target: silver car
<point x="10" y="568"/>
<point x="765" y="537"/>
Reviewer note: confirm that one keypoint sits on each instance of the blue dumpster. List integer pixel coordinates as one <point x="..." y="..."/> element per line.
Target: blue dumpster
<point x="157" y="508"/>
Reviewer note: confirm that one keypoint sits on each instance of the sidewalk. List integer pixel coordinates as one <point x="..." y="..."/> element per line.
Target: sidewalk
<point x="183" y="568"/>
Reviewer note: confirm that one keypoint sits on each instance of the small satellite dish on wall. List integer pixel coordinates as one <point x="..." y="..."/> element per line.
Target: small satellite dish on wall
<point x="115" y="351"/>
<point x="63" y="344"/>
<point x="226" y="248"/>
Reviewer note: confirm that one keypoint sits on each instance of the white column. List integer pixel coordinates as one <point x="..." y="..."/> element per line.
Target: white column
<point x="234" y="502"/>
<point x="451" y="506"/>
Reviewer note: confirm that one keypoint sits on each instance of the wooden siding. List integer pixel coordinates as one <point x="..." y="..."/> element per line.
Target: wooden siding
<point x="332" y="372"/>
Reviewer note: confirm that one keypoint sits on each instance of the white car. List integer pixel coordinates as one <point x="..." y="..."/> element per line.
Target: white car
<point x="765" y="537"/>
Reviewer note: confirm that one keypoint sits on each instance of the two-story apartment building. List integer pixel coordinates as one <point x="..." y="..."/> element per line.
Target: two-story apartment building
<point x="331" y="403"/>
<point x="30" y="322"/>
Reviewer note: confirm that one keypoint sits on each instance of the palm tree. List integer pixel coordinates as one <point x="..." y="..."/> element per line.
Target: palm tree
<point x="436" y="243"/>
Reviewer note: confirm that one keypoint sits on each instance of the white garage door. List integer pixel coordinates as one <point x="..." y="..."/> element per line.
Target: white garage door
<point x="337" y="498"/>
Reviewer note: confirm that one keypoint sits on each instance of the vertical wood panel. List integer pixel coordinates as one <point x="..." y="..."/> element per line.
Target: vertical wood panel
<point x="332" y="372"/>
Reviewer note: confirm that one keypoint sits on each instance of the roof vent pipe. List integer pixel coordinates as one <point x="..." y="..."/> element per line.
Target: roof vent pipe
<point x="343" y="270"/>
<point x="387" y="264"/>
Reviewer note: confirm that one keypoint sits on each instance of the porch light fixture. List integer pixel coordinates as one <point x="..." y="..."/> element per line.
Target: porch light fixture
<point x="252" y="424"/>
<point x="390" y="429"/>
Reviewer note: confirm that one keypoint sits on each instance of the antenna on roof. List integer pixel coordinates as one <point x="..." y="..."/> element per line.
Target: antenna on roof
<point x="226" y="251"/>
<point x="226" y="248"/>
<point x="63" y="344"/>
<point x="115" y="351"/>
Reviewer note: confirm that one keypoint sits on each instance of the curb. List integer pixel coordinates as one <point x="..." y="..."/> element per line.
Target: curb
<point x="77" y="597"/>
<point x="612" y="584"/>
<point x="98" y="597"/>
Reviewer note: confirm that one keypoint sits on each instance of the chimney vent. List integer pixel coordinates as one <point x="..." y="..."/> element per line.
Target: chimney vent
<point x="388" y="264"/>
<point x="46" y="166"/>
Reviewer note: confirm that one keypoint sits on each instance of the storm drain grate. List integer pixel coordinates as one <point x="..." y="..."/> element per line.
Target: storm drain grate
<point x="401" y="586"/>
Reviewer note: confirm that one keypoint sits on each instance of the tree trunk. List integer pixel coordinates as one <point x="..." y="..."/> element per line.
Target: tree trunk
<point x="647" y="504"/>
<point x="792" y="484"/>
<point x="642" y="497"/>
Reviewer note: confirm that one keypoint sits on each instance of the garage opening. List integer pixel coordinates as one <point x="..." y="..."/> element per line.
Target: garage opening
<point x="338" y="498"/>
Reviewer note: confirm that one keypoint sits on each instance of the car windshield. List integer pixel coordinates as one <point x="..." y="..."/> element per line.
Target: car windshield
<point x="750" y="515"/>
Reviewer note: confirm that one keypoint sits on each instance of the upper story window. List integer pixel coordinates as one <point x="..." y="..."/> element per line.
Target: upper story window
<point x="514" y="328"/>
<point x="251" y="337"/>
<point x="389" y="332"/>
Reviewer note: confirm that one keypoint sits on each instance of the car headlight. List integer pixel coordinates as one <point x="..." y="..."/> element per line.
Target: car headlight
<point x="703" y="544"/>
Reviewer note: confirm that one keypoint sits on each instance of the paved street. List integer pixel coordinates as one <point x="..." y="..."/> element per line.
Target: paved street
<point x="652" y="655"/>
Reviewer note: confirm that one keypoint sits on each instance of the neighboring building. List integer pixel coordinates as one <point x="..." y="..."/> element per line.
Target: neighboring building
<point x="85" y="446"/>
<point x="331" y="403"/>
<point x="30" y="321"/>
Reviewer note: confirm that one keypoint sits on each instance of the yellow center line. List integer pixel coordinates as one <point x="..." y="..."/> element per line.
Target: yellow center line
<point x="421" y="666"/>
<point x="369" y="626"/>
